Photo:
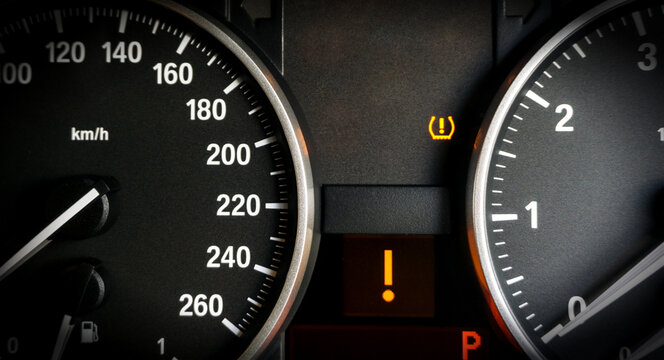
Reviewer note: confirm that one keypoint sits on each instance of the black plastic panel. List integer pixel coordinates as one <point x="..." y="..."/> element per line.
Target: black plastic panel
<point x="386" y="210"/>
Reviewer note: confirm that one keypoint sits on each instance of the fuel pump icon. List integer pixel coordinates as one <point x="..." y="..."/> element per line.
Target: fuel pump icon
<point x="89" y="332"/>
<point x="443" y="129"/>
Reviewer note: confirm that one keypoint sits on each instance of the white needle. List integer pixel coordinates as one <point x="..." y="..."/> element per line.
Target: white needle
<point x="636" y="275"/>
<point x="66" y="328"/>
<point x="41" y="240"/>
<point x="652" y="344"/>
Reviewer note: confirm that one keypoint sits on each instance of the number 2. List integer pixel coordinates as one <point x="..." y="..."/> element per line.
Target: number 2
<point x="562" y="124"/>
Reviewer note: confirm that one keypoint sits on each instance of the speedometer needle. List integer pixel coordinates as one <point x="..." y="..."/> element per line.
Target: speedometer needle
<point x="66" y="328"/>
<point x="649" y="265"/>
<point x="41" y="240"/>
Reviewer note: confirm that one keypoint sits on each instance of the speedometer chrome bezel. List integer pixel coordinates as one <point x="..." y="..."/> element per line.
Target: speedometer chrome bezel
<point x="306" y="236"/>
<point x="482" y="155"/>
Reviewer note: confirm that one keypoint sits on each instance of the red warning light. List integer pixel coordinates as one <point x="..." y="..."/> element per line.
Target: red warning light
<point x="470" y="341"/>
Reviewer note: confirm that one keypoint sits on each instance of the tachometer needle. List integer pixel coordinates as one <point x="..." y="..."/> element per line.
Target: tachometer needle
<point x="652" y="344"/>
<point x="649" y="265"/>
<point x="41" y="240"/>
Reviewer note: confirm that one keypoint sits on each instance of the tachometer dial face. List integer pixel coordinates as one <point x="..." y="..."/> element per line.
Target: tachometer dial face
<point x="156" y="194"/>
<point x="567" y="194"/>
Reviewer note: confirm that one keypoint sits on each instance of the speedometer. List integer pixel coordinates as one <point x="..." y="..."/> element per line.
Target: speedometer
<point x="157" y="199"/>
<point x="567" y="193"/>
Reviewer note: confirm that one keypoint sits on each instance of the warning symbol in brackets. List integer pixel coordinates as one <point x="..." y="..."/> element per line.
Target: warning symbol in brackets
<point x="439" y="131"/>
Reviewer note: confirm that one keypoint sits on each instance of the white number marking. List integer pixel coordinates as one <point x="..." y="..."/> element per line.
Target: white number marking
<point x="63" y="52"/>
<point x="11" y="73"/>
<point x="253" y="204"/>
<point x="241" y="257"/>
<point x="650" y="51"/>
<point x="172" y="73"/>
<point x="532" y="208"/>
<point x="562" y="124"/>
<point x="123" y="52"/>
<point x="201" y="305"/>
<point x="12" y="345"/>
<point x="571" y="306"/>
<point x="204" y="109"/>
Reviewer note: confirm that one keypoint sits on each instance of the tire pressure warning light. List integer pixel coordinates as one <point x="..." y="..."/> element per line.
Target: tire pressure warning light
<point x="443" y="129"/>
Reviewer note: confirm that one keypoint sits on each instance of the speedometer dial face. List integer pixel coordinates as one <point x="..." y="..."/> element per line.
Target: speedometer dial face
<point x="156" y="193"/>
<point x="567" y="196"/>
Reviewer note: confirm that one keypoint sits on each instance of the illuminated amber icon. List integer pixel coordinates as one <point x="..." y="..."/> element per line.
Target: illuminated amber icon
<point x="439" y="131"/>
<point x="388" y="295"/>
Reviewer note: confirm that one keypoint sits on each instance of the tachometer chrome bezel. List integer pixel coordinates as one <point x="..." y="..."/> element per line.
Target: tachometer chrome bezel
<point x="482" y="156"/>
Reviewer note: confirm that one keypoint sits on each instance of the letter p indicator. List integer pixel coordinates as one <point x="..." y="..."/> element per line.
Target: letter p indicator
<point x="470" y="340"/>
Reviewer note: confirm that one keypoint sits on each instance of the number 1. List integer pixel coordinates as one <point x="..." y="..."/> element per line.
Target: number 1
<point x="532" y="207"/>
<point x="161" y="343"/>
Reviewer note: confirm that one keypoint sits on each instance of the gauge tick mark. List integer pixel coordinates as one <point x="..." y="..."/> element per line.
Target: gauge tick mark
<point x="183" y="45"/>
<point x="264" y="270"/>
<point x="123" y="21"/>
<point x="504" y="217"/>
<point x="579" y="50"/>
<point x="264" y="142"/>
<point x="507" y="154"/>
<point x="233" y="85"/>
<point x="230" y="326"/>
<point x="638" y="21"/>
<point x="538" y="99"/>
<point x="515" y="280"/>
<point x="58" y="21"/>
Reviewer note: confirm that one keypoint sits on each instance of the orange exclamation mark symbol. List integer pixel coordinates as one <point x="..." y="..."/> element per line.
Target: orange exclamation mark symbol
<point x="439" y="134"/>
<point x="388" y="295"/>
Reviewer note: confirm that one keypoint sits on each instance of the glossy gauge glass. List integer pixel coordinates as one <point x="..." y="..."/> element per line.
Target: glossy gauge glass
<point x="157" y="199"/>
<point x="567" y="193"/>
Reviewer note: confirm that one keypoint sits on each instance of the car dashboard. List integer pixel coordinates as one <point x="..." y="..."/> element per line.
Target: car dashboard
<point x="392" y="100"/>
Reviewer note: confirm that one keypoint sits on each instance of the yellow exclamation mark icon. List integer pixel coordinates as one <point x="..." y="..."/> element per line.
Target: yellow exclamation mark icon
<point x="441" y="133"/>
<point x="388" y="295"/>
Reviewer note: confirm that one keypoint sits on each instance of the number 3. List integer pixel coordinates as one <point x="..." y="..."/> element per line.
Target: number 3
<point x="651" y="51"/>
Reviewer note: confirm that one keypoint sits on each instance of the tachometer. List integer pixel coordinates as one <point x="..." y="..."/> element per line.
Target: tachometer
<point x="567" y="194"/>
<point x="157" y="199"/>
